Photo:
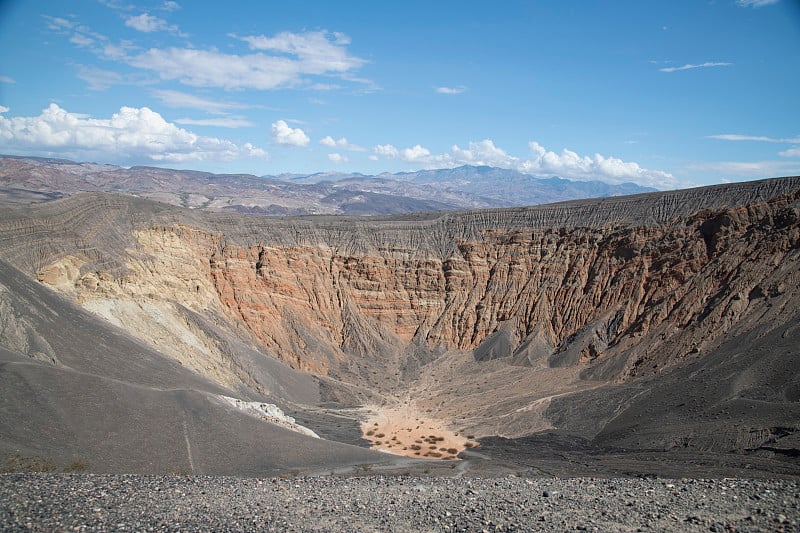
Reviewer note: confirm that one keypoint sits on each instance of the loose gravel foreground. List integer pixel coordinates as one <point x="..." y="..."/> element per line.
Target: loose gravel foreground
<point x="53" y="502"/>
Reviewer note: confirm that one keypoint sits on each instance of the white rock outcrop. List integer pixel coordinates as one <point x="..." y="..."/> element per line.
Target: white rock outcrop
<point x="269" y="413"/>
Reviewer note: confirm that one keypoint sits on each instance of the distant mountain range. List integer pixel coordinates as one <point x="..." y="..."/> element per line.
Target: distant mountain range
<point x="29" y="179"/>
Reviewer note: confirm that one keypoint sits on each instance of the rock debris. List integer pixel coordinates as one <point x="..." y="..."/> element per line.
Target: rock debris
<point x="47" y="502"/>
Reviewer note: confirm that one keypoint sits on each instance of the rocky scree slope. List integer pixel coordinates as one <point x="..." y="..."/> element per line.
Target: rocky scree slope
<point x="584" y="294"/>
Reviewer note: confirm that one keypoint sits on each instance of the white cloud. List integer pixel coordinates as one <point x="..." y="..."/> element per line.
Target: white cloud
<point x="756" y="3"/>
<point x="762" y="138"/>
<point x="147" y="23"/>
<point x="58" y="23"/>
<point x="81" y="40"/>
<point x="285" y="60"/>
<point x="477" y="154"/>
<point x="338" y="158"/>
<point x="116" y="4"/>
<point x="222" y="122"/>
<point x="291" y="58"/>
<point x="4" y="109"/>
<point x="184" y="100"/>
<point x="791" y="152"/>
<point x="80" y="35"/>
<point x="99" y="79"/>
<point x="202" y="68"/>
<point x="386" y="150"/>
<point x="416" y="153"/>
<point x="6" y="79"/>
<point x="543" y="163"/>
<point x="328" y="141"/>
<point x="569" y="164"/>
<point x="690" y="66"/>
<point x="170" y="6"/>
<point x="482" y="153"/>
<point x="317" y="51"/>
<point x="132" y="134"/>
<point x="287" y="136"/>
<point x="341" y="143"/>
<point x="451" y="90"/>
<point x="116" y="51"/>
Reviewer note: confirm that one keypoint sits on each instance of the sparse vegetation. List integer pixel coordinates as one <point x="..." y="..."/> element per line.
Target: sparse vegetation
<point x="17" y="462"/>
<point x="76" y="467"/>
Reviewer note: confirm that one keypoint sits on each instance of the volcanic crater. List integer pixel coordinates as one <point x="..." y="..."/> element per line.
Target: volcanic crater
<point x="647" y="334"/>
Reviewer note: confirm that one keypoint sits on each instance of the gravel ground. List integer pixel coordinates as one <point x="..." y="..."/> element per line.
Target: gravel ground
<point x="60" y="502"/>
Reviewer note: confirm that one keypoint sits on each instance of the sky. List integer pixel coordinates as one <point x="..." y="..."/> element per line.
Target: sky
<point x="663" y="94"/>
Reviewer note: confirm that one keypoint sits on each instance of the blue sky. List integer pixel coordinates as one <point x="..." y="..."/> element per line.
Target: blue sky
<point x="665" y="94"/>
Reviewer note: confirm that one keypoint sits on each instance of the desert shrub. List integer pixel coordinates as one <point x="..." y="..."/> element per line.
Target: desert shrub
<point x="75" y="467"/>
<point x="16" y="462"/>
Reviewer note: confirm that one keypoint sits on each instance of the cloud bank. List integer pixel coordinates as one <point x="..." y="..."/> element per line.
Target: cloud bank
<point x="542" y="163"/>
<point x="279" y="62"/>
<point x="131" y="134"/>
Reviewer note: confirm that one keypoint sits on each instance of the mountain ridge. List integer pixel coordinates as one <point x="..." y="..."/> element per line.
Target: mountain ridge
<point x="320" y="193"/>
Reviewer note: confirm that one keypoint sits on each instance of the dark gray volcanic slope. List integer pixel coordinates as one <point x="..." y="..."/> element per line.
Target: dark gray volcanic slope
<point x="81" y="392"/>
<point x="741" y="399"/>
